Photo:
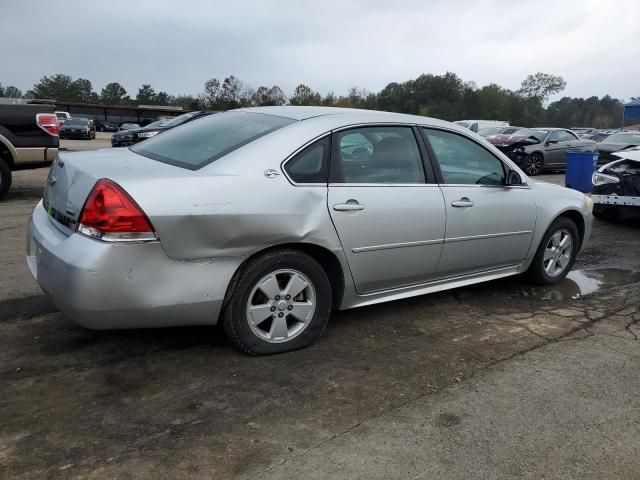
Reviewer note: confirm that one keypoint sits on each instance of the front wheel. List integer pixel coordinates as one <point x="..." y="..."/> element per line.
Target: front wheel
<point x="556" y="253"/>
<point x="534" y="164"/>
<point x="280" y="301"/>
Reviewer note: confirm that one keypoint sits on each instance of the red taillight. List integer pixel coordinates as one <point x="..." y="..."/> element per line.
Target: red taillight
<point x="110" y="214"/>
<point x="48" y="122"/>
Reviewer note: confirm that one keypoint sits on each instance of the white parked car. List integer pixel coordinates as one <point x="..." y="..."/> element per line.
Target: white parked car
<point x="475" y="125"/>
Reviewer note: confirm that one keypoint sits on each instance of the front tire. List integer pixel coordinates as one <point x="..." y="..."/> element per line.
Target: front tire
<point x="5" y="177"/>
<point x="534" y="164"/>
<point x="280" y="301"/>
<point x="556" y="253"/>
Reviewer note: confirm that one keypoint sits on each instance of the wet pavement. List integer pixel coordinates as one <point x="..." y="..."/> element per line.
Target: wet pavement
<point x="498" y="380"/>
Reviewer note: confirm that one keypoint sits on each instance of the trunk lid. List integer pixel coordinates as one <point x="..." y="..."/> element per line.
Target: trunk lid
<point x="73" y="175"/>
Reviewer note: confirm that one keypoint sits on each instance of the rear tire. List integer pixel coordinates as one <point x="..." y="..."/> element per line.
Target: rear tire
<point x="553" y="259"/>
<point x="5" y="177"/>
<point x="261" y="318"/>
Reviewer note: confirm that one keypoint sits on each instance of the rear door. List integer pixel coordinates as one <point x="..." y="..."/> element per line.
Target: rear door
<point x="388" y="213"/>
<point x="489" y="225"/>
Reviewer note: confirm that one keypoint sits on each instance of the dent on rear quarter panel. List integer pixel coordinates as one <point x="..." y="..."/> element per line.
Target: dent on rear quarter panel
<point x="232" y="216"/>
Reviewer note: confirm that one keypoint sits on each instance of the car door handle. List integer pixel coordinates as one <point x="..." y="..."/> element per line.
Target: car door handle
<point x="350" y="206"/>
<point x="463" y="202"/>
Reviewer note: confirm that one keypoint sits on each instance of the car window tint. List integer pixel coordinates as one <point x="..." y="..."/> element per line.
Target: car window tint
<point x="463" y="161"/>
<point x="311" y="164"/>
<point x="200" y="142"/>
<point x="379" y="155"/>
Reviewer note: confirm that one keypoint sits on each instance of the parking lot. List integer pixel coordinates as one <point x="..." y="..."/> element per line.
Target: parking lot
<point x="497" y="380"/>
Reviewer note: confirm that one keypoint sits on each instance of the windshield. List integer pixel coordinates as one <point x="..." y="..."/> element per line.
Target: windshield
<point x="180" y="119"/>
<point x="129" y="126"/>
<point x="527" y="132"/>
<point x="485" y="132"/>
<point x="623" y="138"/>
<point x="76" y="121"/>
<point x="463" y="124"/>
<point x="157" y="123"/>
<point x="203" y="141"/>
<point x="509" y="130"/>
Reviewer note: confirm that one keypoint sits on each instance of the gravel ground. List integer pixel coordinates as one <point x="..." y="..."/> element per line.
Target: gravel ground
<point x="498" y="380"/>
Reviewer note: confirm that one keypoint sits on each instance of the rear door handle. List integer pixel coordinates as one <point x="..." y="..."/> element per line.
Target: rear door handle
<point x="463" y="202"/>
<point x="350" y="206"/>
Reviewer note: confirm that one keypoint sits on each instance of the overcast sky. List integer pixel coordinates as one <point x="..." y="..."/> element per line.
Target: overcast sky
<point x="329" y="45"/>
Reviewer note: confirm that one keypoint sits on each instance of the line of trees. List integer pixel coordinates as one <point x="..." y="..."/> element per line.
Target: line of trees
<point x="443" y="96"/>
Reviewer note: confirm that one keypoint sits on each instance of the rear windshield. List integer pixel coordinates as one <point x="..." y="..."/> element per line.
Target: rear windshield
<point x="76" y="121"/>
<point x="202" y="141"/>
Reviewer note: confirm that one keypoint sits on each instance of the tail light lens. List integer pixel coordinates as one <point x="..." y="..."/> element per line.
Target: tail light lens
<point x="111" y="215"/>
<point x="48" y="122"/>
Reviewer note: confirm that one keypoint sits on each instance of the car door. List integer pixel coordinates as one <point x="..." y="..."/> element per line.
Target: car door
<point x="489" y="224"/>
<point x="389" y="215"/>
<point x="554" y="149"/>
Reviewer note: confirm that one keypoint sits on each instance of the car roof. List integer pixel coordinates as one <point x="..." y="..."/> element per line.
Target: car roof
<point x="348" y="115"/>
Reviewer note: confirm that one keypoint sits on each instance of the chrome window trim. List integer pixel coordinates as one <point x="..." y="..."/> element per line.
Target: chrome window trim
<point x="389" y="246"/>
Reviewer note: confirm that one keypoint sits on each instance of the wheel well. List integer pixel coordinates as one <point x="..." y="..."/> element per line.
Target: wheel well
<point x="575" y="217"/>
<point x="325" y="258"/>
<point x="5" y="154"/>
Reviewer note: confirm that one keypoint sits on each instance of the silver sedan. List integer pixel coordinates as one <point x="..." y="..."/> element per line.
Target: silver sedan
<point x="266" y="219"/>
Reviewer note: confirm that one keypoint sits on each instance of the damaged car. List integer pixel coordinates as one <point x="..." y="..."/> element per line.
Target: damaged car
<point x="266" y="219"/>
<point x="616" y="187"/>
<point x="617" y="142"/>
<point x="539" y="149"/>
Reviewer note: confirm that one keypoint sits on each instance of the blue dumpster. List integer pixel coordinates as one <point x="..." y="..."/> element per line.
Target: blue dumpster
<point x="580" y="167"/>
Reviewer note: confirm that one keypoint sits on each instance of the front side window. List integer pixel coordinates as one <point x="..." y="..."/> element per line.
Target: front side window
<point x="379" y="155"/>
<point x="463" y="161"/>
<point x="311" y="165"/>
<point x="567" y="136"/>
<point x="200" y="142"/>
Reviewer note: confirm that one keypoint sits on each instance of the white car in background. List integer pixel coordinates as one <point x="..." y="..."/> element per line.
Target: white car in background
<point x="475" y="125"/>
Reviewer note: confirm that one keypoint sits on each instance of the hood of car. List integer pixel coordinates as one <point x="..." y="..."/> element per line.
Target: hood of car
<point x="614" y="147"/>
<point x="73" y="127"/>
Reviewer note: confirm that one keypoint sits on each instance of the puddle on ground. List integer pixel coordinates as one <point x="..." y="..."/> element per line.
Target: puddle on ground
<point x="585" y="282"/>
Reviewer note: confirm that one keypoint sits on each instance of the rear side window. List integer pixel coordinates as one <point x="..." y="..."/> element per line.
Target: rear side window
<point x="311" y="165"/>
<point x="203" y="141"/>
<point x="379" y="154"/>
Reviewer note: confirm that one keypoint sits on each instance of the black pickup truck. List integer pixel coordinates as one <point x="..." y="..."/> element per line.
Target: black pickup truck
<point x="28" y="139"/>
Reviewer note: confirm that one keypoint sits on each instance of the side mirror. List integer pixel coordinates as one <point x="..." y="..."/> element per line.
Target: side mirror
<point x="513" y="178"/>
<point x="549" y="142"/>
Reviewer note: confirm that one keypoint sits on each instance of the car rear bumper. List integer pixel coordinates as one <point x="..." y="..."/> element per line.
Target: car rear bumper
<point x="104" y="286"/>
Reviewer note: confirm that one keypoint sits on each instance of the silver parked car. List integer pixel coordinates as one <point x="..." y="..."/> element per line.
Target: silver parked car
<point x="268" y="218"/>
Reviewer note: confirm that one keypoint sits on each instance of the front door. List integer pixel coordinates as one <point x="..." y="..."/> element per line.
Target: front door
<point x="390" y="221"/>
<point x="489" y="225"/>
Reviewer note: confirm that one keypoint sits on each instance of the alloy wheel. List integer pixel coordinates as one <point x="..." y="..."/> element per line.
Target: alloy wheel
<point x="534" y="164"/>
<point x="281" y="305"/>
<point x="557" y="253"/>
